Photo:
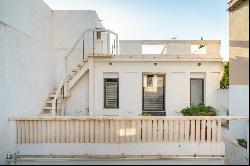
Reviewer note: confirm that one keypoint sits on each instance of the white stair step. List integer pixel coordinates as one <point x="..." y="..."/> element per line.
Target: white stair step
<point x="80" y="65"/>
<point x="53" y="95"/>
<point x="47" y="108"/>
<point x="45" y="114"/>
<point x="69" y="77"/>
<point x="55" y="90"/>
<point x="50" y="102"/>
<point x="74" y="71"/>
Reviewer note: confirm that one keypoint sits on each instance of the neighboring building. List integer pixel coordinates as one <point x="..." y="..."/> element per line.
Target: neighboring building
<point x="238" y="82"/>
<point x="76" y="89"/>
<point x="239" y="65"/>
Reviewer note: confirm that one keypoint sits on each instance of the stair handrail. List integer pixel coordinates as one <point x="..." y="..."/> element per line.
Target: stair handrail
<point x="77" y="42"/>
<point x="58" y="91"/>
<point x="82" y="37"/>
<point x="72" y="49"/>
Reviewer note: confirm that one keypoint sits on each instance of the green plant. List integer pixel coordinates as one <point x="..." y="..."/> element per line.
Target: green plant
<point x="224" y="82"/>
<point x="146" y="114"/>
<point x="199" y="110"/>
<point x="242" y="142"/>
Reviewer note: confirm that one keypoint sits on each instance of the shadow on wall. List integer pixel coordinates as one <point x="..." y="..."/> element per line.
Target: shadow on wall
<point x="239" y="70"/>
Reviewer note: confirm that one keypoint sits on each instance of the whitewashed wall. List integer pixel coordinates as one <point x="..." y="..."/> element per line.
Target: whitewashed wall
<point x="173" y="47"/>
<point x="28" y="58"/>
<point x="239" y="106"/>
<point x="33" y="42"/>
<point x="78" y="102"/>
<point x="68" y="27"/>
<point x="222" y="101"/>
<point x="177" y="84"/>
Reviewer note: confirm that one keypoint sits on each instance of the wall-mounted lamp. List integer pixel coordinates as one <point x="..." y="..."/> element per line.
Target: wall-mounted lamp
<point x="110" y="63"/>
<point x="155" y="64"/>
<point x="199" y="64"/>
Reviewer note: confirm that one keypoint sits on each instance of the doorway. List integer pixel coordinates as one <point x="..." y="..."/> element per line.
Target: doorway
<point x="196" y="91"/>
<point x="154" y="94"/>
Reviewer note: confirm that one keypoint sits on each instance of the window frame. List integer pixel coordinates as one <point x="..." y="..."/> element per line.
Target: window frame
<point x="105" y="106"/>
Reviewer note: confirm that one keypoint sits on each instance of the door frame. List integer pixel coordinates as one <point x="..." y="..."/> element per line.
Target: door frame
<point x="164" y="93"/>
<point x="202" y="89"/>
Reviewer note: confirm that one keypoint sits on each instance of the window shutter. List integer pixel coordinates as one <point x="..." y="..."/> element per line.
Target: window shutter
<point x="111" y="93"/>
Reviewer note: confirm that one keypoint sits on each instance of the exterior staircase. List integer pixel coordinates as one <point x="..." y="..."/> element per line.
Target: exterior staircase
<point x="54" y="103"/>
<point x="71" y="80"/>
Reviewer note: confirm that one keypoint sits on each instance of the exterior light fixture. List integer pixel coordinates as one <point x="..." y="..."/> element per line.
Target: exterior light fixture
<point x="199" y="64"/>
<point x="155" y="64"/>
<point x="110" y="63"/>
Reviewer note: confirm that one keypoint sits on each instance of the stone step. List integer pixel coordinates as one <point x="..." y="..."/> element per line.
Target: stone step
<point x="47" y="108"/>
<point x="45" y="114"/>
<point x="53" y="95"/>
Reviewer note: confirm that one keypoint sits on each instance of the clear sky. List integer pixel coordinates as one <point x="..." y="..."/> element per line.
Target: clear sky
<point x="159" y="19"/>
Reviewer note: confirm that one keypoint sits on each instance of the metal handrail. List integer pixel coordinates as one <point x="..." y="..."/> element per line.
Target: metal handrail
<point x="82" y="37"/>
<point x="77" y="42"/>
<point x="54" y="102"/>
<point x="74" y="46"/>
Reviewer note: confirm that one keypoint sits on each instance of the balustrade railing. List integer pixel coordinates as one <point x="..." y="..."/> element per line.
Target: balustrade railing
<point x="118" y="130"/>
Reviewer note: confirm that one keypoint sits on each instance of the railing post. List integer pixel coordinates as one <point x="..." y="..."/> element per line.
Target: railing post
<point x="56" y="107"/>
<point x="53" y="109"/>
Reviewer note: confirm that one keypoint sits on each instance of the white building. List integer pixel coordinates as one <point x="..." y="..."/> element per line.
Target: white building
<point x="64" y="65"/>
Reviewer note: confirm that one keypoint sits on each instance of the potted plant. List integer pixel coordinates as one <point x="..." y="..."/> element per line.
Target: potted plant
<point x="199" y="110"/>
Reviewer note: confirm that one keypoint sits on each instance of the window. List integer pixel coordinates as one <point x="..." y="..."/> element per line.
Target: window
<point x="111" y="93"/>
<point x="98" y="35"/>
<point x="153" y="94"/>
<point x="198" y="49"/>
<point x="154" y="49"/>
<point x="150" y="81"/>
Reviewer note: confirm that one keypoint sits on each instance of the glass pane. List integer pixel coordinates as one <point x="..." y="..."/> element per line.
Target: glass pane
<point x="196" y="91"/>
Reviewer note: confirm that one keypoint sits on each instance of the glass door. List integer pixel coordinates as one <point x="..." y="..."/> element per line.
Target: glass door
<point x="153" y="94"/>
<point x="196" y="91"/>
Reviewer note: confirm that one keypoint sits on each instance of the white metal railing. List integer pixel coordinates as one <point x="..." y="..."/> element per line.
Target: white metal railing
<point x="74" y="50"/>
<point x="36" y="130"/>
<point x="59" y="91"/>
